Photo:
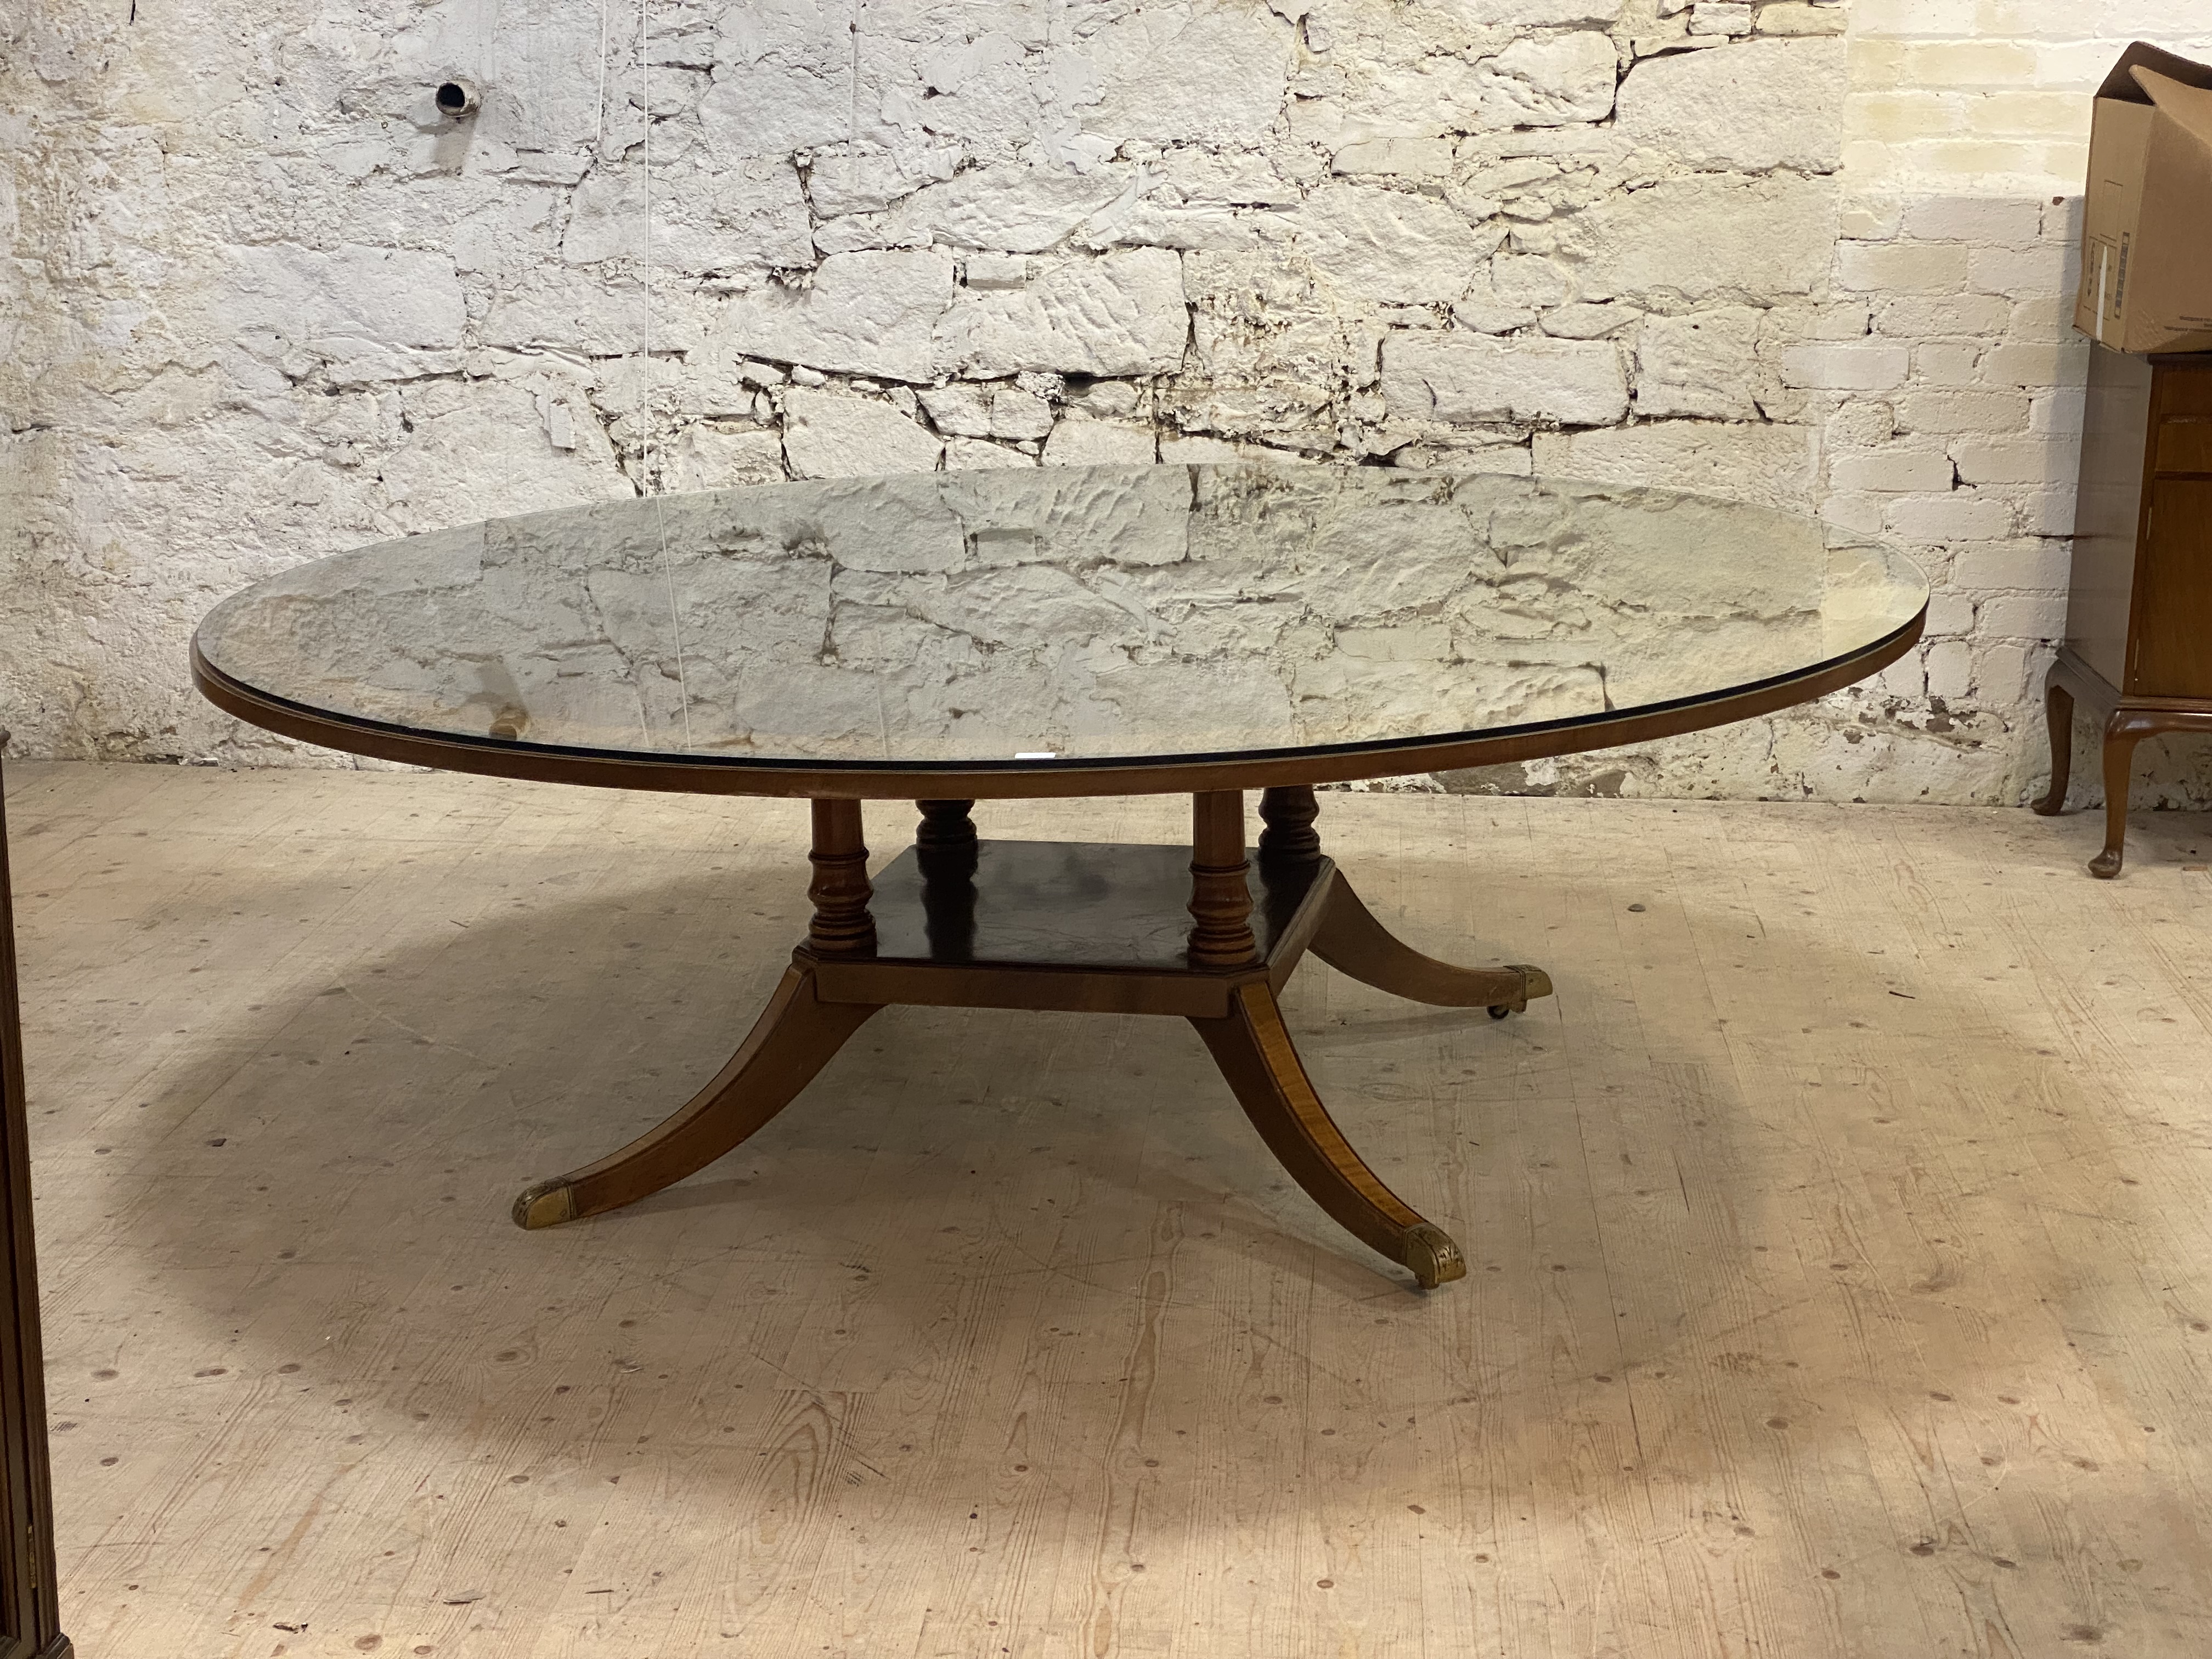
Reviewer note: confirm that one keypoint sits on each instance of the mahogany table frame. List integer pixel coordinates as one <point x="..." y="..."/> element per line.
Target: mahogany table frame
<point x="1225" y="983"/>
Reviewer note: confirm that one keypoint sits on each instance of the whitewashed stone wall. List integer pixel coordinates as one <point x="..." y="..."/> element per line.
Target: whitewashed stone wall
<point x="265" y="303"/>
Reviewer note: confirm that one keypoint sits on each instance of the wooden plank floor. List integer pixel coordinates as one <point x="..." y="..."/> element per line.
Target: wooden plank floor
<point x="1841" y="1251"/>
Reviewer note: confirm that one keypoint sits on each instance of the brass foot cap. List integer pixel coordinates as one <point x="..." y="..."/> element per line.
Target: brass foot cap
<point x="2104" y="865"/>
<point x="1430" y="1252"/>
<point x="548" y="1204"/>
<point x="1535" y="981"/>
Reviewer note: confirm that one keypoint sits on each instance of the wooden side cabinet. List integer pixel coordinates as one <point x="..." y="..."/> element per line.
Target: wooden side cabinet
<point x="28" y="1626"/>
<point x="2138" y="646"/>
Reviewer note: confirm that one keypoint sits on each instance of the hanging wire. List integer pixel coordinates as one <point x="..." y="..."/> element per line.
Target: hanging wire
<point x="651" y="481"/>
<point x="600" y="142"/>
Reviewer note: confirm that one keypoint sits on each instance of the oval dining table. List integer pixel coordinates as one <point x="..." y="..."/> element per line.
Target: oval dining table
<point x="953" y="638"/>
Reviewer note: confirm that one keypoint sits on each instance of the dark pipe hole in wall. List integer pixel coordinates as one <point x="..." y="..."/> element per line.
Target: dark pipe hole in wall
<point x="456" y="99"/>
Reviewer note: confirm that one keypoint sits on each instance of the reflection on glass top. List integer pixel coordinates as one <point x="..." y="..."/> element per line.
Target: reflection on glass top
<point x="1087" y="615"/>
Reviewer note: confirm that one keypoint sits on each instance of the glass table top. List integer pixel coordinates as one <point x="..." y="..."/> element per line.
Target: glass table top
<point x="1058" y="616"/>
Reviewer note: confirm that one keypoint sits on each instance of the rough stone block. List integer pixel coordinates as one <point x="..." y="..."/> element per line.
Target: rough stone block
<point x="1404" y="158"/>
<point x="1720" y="17"/>
<point x="987" y="411"/>
<point x="873" y="313"/>
<point x="827" y="435"/>
<point x="1585" y="322"/>
<point x="571" y="309"/>
<point x="751" y="215"/>
<point x="783" y="80"/>
<point x="1461" y="378"/>
<point x="378" y="295"/>
<point x="1079" y="441"/>
<point x="1550" y="80"/>
<point x="1798" y="17"/>
<point x="720" y="458"/>
<point x="1701" y="365"/>
<point x="1121" y="313"/>
<point x="1011" y="208"/>
<point x="1181" y="74"/>
<point x="1709" y="236"/>
<point x="869" y="180"/>
<point x="1750" y="108"/>
<point x="978" y="454"/>
<point x="1772" y="466"/>
<point x="1369" y="244"/>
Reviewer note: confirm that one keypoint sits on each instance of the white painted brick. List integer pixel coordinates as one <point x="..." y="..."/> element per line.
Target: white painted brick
<point x="2059" y="412"/>
<point x="1962" y="411"/>
<point x="1947" y="363"/>
<point x="1937" y="317"/>
<point x="1901" y="267"/>
<point x="1871" y="365"/>
<point x="2020" y="273"/>
<point x="1859" y="512"/>
<point x="1950" y="670"/>
<point x="2023" y="617"/>
<point x="2030" y="562"/>
<point x="2041" y="318"/>
<point x="1959" y="516"/>
<point x="1907" y="677"/>
<point x="1891" y="470"/>
<point x="2047" y="364"/>
<point x="2015" y="461"/>
<point x="1995" y="220"/>
<point x="1950" y="614"/>
<point x="2049" y="512"/>
<point x="2002" y="674"/>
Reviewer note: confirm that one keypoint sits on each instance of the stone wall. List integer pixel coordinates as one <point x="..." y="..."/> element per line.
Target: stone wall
<point x="266" y="302"/>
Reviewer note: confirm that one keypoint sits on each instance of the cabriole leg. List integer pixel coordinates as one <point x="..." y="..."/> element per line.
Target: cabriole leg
<point x="2120" y="740"/>
<point x="2058" y="715"/>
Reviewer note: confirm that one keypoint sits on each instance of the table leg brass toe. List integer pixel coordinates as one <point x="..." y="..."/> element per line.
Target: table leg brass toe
<point x="546" y="1204"/>
<point x="1435" y="1259"/>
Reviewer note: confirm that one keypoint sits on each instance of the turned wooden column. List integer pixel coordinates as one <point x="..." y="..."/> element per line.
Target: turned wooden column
<point x="1220" y="897"/>
<point x="1289" y="814"/>
<point x="841" y="925"/>
<point x="945" y="847"/>
<point x="944" y="823"/>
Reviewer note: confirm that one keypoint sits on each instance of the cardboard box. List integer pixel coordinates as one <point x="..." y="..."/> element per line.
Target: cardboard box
<point x="2147" y="224"/>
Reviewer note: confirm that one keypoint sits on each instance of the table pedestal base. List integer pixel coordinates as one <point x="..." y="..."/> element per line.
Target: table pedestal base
<point x="955" y="922"/>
